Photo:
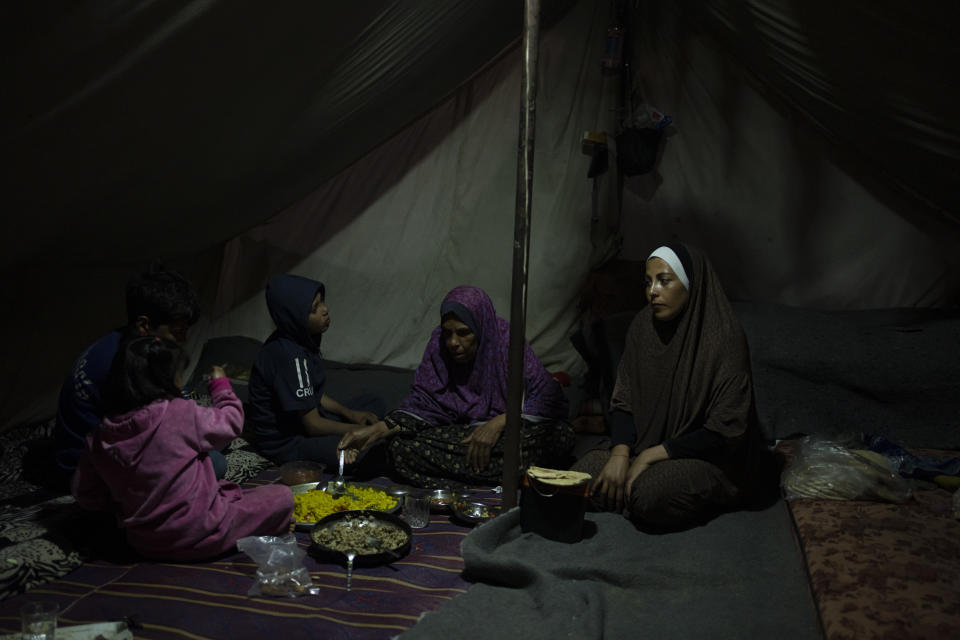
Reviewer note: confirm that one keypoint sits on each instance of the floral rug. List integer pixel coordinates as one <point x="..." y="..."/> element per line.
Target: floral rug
<point x="880" y="569"/>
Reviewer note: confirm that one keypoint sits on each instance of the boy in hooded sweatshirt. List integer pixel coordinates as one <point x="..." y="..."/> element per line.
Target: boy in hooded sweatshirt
<point x="291" y="416"/>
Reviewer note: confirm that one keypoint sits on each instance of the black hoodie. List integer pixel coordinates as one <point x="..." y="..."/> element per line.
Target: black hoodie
<point x="288" y="375"/>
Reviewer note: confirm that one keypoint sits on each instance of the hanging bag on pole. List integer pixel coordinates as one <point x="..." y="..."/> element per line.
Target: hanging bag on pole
<point x="638" y="144"/>
<point x="637" y="150"/>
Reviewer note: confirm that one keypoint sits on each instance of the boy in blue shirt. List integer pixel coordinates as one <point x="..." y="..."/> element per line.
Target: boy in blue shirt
<point x="159" y="302"/>
<point x="290" y="415"/>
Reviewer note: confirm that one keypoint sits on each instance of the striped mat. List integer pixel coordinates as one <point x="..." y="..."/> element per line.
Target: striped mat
<point x="209" y="600"/>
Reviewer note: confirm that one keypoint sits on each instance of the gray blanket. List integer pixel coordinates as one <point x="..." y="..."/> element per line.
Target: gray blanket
<point x="739" y="576"/>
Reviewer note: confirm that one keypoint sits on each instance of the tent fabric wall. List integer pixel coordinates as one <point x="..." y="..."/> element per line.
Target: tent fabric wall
<point x="433" y="208"/>
<point x="792" y="157"/>
<point x="446" y="198"/>
<point x="158" y="130"/>
<point x="373" y="145"/>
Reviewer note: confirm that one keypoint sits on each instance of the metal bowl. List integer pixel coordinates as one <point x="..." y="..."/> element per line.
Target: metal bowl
<point x="474" y="511"/>
<point x="366" y="520"/>
<point x="398" y="491"/>
<point x="440" y="499"/>
<point x="301" y="472"/>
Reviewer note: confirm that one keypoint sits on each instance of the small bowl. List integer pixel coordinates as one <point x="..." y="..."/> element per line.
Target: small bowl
<point x="474" y="511"/>
<point x="440" y="499"/>
<point x="398" y="491"/>
<point x="301" y="472"/>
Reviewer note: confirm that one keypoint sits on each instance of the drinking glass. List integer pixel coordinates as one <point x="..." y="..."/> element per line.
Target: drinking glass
<point x="38" y="620"/>
<point x="416" y="509"/>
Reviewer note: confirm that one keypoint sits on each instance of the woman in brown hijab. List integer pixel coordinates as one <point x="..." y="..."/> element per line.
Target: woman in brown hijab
<point x="682" y="406"/>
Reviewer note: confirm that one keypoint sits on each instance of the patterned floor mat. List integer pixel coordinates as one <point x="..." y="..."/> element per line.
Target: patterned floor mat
<point x="210" y="600"/>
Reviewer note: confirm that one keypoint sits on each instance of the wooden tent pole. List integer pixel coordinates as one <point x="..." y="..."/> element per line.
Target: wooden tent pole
<point x="521" y="252"/>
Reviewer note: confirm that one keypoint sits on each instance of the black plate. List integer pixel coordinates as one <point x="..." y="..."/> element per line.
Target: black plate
<point x="325" y="553"/>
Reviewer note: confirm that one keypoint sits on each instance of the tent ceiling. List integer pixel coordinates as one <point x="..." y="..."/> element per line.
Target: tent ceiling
<point x="876" y="78"/>
<point x="197" y="120"/>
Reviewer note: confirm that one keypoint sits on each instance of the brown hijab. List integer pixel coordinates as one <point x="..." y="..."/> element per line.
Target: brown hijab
<point x="689" y="372"/>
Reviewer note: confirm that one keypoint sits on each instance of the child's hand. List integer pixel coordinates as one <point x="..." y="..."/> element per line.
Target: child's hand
<point x="218" y="372"/>
<point x="364" y="437"/>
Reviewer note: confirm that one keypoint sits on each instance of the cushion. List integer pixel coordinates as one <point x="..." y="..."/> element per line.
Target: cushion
<point x="891" y="372"/>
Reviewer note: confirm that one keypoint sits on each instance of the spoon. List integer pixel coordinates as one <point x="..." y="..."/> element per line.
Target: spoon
<point x="339" y="485"/>
<point x="350" y="556"/>
<point x="376" y="544"/>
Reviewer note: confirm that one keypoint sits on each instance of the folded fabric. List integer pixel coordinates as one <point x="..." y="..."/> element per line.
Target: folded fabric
<point x="909" y="465"/>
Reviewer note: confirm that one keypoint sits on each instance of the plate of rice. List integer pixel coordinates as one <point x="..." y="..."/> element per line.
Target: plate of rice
<point x="312" y="501"/>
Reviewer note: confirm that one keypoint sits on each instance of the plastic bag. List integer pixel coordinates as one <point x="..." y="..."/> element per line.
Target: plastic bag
<point x="280" y="569"/>
<point x="647" y="116"/>
<point x="838" y="470"/>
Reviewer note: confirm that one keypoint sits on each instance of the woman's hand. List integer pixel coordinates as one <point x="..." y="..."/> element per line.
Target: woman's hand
<point x="647" y="457"/>
<point x="217" y="372"/>
<point x="481" y="441"/>
<point x="364" y="437"/>
<point x="609" y="485"/>
<point x="361" y="417"/>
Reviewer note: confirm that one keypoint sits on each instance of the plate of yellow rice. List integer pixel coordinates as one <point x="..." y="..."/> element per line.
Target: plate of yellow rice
<point x="312" y="501"/>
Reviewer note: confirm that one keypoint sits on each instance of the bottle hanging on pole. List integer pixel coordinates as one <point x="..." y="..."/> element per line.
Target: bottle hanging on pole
<point x="613" y="50"/>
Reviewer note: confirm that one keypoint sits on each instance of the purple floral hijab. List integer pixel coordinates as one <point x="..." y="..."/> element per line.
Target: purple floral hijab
<point x="447" y="392"/>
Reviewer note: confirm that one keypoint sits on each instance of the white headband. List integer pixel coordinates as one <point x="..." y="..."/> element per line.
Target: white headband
<point x="670" y="257"/>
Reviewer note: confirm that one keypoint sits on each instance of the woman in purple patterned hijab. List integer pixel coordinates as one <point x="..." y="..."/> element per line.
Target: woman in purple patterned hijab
<point x="447" y="391"/>
<point x="446" y="433"/>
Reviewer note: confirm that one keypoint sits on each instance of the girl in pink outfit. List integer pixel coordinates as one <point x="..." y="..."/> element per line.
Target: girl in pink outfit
<point x="148" y="461"/>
